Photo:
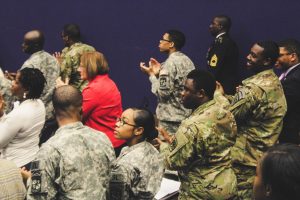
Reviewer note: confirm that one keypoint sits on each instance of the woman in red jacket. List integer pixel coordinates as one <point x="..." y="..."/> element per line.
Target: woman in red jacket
<point x="101" y="97"/>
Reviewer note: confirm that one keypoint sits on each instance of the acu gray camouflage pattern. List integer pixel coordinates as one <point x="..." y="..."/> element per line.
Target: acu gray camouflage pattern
<point x="5" y="86"/>
<point x="137" y="173"/>
<point x="49" y="66"/>
<point x="168" y="86"/>
<point x="259" y="107"/>
<point x="73" y="164"/>
<point x="201" y="154"/>
<point x="71" y="61"/>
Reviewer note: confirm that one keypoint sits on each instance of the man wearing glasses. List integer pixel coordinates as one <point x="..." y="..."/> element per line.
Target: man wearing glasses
<point x="167" y="80"/>
<point x="288" y="61"/>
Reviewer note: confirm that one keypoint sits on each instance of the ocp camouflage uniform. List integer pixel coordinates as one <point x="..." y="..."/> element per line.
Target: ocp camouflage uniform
<point x="49" y="66"/>
<point x="71" y="61"/>
<point x="167" y="87"/>
<point x="137" y="173"/>
<point x="73" y="164"/>
<point x="5" y="91"/>
<point x="259" y="107"/>
<point x="201" y="154"/>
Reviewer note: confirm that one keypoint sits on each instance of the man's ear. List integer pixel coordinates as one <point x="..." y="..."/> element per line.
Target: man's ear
<point x="138" y="131"/>
<point x="293" y="57"/>
<point x="172" y="45"/>
<point x="201" y="93"/>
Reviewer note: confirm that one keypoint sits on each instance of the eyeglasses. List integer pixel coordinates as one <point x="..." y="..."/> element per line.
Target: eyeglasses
<point x="122" y="122"/>
<point x="165" y="40"/>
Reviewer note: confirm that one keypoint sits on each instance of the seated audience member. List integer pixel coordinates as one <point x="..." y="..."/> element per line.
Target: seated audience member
<point x="75" y="162"/>
<point x="277" y="174"/>
<point x="138" y="171"/>
<point x="200" y="149"/>
<point x="101" y="97"/>
<point x="20" y="129"/>
<point x="289" y="62"/>
<point x="11" y="183"/>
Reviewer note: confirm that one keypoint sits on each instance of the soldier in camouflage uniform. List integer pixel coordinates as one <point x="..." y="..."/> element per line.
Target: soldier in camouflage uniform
<point x="75" y="162"/>
<point x="167" y="80"/>
<point x="259" y="107"/>
<point x="138" y="171"/>
<point x="200" y="149"/>
<point x="70" y="56"/>
<point x="33" y="44"/>
<point x="5" y="86"/>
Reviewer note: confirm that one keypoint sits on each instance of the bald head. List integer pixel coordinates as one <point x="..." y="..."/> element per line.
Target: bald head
<point x="33" y="41"/>
<point x="67" y="101"/>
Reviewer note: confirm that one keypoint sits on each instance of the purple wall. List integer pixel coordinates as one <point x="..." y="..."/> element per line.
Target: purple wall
<point x="128" y="31"/>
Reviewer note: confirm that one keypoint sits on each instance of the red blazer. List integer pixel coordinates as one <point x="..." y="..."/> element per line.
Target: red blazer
<point x="101" y="106"/>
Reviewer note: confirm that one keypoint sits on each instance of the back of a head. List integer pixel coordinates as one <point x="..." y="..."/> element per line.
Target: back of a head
<point x="291" y="45"/>
<point x="271" y="50"/>
<point x="72" y="31"/>
<point x="280" y="169"/>
<point x="203" y="80"/>
<point x="144" y="118"/>
<point x="33" y="80"/>
<point x="95" y="63"/>
<point x="177" y="37"/>
<point x="225" y="21"/>
<point x="35" y="40"/>
<point x="67" y="99"/>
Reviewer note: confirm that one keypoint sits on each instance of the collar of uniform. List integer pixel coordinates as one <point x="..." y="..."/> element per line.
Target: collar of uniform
<point x="202" y="107"/>
<point x="220" y="35"/>
<point x="69" y="126"/>
<point x="174" y="53"/>
<point x="75" y="45"/>
<point x="37" y="53"/>
<point x="127" y="149"/>
<point x="265" y="72"/>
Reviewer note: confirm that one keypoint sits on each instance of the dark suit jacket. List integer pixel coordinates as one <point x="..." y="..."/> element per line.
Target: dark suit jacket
<point x="291" y="122"/>
<point x="222" y="59"/>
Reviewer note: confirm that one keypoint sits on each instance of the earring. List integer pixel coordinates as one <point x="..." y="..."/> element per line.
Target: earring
<point x="24" y="95"/>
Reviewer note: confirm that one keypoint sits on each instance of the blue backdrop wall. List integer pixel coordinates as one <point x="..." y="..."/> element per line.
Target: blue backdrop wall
<point x="128" y="31"/>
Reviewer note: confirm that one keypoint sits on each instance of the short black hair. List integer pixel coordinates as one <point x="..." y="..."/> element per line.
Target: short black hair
<point x="177" y="37"/>
<point x="72" y="31"/>
<point x="271" y="50"/>
<point x="291" y="45"/>
<point x="33" y="80"/>
<point x="224" y="21"/>
<point x="144" y="118"/>
<point x="66" y="98"/>
<point x="280" y="169"/>
<point x="203" y="80"/>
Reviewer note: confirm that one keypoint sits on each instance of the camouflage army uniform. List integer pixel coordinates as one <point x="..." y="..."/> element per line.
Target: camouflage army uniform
<point x="167" y="87"/>
<point x="201" y="154"/>
<point x="49" y="66"/>
<point x="5" y="86"/>
<point x="71" y="61"/>
<point x="259" y="107"/>
<point x="73" y="164"/>
<point x="137" y="173"/>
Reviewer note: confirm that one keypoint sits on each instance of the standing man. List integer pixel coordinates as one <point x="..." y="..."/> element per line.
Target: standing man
<point x="258" y="106"/>
<point x="222" y="56"/>
<point x="289" y="62"/>
<point x="33" y="45"/>
<point x="200" y="149"/>
<point x="69" y="58"/>
<point x="5" y="86"/>
<point x="167" y="80"/>
<point x="75" y="162"/>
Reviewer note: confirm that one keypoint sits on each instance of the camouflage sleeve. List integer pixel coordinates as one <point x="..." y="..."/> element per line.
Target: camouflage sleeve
<point x="66" y="67"/>
<point x="181" y="153"/>
<point x="43" y="181"/>
<point x="154" y="84"/>
<point x="244" y="101"/>
<point x="168" y="81"/>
